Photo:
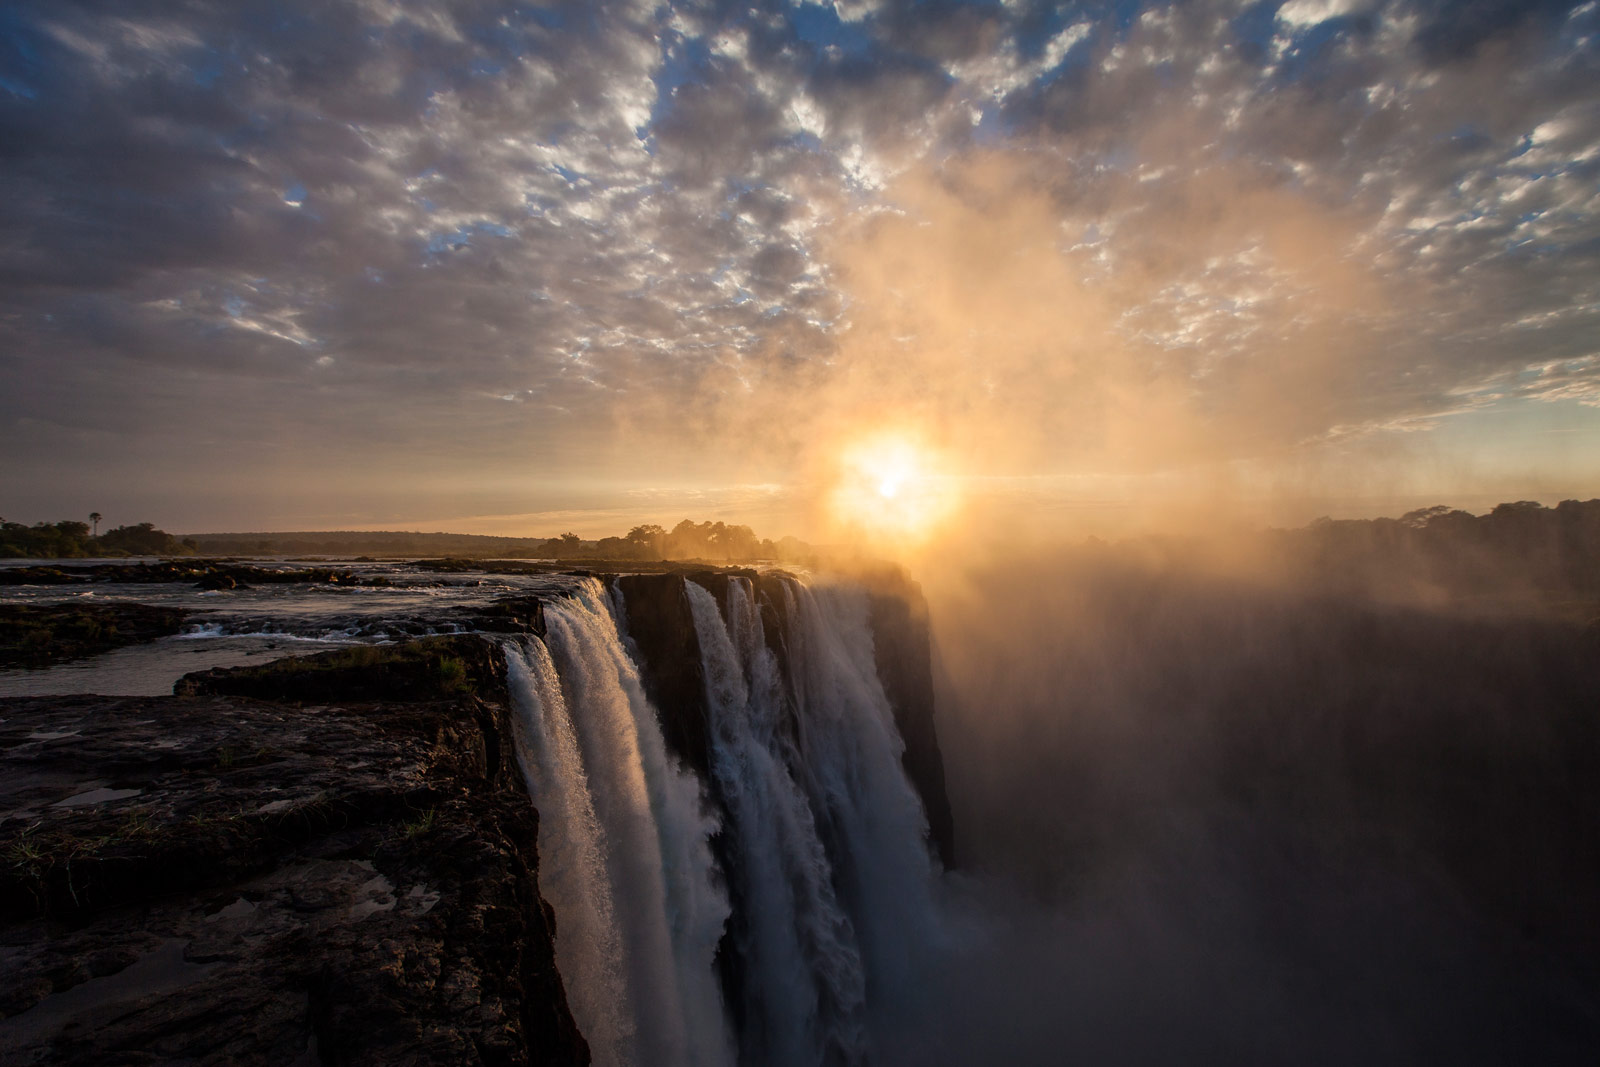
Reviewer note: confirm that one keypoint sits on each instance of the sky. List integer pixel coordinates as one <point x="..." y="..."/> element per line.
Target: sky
<point x="513" y="268"/>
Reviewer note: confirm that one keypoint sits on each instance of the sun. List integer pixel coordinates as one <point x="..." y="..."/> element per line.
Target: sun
<point x="891" y="487"/>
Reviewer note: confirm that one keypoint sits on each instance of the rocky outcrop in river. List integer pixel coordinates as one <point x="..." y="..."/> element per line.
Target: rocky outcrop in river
<point x="40" y="635"/>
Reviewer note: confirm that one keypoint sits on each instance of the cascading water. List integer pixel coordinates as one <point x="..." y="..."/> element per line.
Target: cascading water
<point x="572" y="855"/>
<point x="850" y="750"/>
<point x="805" y="987"/>
<point x="627" y="831"/>
<point x="825" y="839"/>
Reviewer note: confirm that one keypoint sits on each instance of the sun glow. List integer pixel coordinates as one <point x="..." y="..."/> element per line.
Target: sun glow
<point x="891" y="487"/>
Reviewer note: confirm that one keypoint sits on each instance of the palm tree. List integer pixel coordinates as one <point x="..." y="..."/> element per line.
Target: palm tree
<point x="95" y="517"/>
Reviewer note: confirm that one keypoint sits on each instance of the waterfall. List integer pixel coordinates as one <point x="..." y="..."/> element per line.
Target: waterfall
<point x="572" y="851"/>
<point x="824" y="839"/>
<point x="628" y="830"/>
<point x="850" y="751"/>
<point x="805" y="987"/>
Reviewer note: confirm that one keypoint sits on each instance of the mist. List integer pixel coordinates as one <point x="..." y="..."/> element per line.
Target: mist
<point x="1213" y="806"/>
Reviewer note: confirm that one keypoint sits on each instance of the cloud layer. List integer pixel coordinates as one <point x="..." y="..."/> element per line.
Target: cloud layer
<point x="385" y="258"/>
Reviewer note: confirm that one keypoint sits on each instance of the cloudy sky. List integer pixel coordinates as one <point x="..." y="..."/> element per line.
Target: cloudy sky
<point x="499" y="266"/>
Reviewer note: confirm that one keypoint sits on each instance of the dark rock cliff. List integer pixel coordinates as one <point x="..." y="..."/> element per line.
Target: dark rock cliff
<point x="324" y="878"/>
<point x="902" y="649"/>
<point x="662" y="630"/>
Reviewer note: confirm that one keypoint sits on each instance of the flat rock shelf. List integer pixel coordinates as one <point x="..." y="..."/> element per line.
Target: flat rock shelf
<point x="216" y="878"/>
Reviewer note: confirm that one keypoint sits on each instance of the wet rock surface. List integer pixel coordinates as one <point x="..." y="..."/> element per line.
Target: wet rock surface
<point x="661" y="627"/>
<point x="204" y="573"/>
<point x="508" y="614"/>
<point x="427" y="668"/>
<point x="39" y="635"/>
<point x="215" y="878"/>
<point x="586" y="565"/>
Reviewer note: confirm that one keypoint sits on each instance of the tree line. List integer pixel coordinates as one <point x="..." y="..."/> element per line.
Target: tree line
<point x="688" y="540"/>
<point x="74" y="540"/>
<point x="1521" y="544"/>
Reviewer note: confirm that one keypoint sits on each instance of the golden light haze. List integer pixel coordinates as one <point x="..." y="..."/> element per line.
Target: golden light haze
<point x="1197" y="348"/>
<point x="891" y="490"/>
<point x="1020" y="348"/>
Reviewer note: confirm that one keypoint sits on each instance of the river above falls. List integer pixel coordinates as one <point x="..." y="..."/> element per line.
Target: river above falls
<point x="268" y="620"/>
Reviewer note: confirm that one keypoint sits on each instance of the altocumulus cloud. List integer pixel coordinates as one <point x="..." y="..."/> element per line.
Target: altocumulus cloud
<point x="434" y="237"/>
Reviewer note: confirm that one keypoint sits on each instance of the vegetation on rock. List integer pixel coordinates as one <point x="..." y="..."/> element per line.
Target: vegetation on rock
<point x="432" y="668"/>
<point x="39" y="635"/>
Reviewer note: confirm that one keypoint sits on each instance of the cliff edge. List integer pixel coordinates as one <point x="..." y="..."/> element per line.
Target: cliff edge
<point x="344" y="873"/>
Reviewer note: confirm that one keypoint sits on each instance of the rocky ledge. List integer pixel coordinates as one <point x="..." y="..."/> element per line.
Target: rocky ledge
<point x="344" y="873"/>
<point x="205" y="573"/>
<point x="39" y="635"/>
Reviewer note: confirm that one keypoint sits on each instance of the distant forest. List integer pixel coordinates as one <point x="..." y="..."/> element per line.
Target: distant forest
<point x="74" y="540"/>
<point x="687" y="541"/>
<point x="1522" y="545"/>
